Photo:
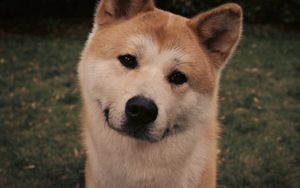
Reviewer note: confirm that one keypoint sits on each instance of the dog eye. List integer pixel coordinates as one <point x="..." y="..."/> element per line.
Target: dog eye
<point x="177" y="78"/>
<point x="129" y="61"/>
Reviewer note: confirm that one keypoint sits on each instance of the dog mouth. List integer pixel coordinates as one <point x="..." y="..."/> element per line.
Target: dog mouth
<point x="106" y="115"/>
<point x="133" y="130"/>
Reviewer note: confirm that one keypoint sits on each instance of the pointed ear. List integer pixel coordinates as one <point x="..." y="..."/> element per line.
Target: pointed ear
<point x="218" y="31"/>
<point x="109" y="11"/>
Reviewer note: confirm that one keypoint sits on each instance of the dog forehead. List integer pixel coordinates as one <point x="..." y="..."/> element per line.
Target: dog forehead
<point x="164" y="33"/>
<point x="167" y="29"/>
<point x="145" y="45"/>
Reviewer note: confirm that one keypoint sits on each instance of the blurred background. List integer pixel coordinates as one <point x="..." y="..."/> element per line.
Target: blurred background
<point x="12" y="12"/>
<point x="275" y="11"/>
<point x="40" y="44"/>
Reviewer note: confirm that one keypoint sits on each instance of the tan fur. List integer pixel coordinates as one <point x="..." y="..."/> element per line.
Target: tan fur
<point x="224" y="24"/>
<point x="162" y="42"/>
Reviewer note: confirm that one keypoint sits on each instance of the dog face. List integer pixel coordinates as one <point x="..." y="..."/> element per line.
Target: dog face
<point x="154" y="74"/>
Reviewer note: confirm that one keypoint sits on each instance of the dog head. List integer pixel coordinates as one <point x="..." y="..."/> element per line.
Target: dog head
<point x="153" y="73"/>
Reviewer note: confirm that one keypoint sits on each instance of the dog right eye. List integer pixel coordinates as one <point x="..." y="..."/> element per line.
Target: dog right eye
<point x="129" y="61"/>
<point x="177" y="78"/>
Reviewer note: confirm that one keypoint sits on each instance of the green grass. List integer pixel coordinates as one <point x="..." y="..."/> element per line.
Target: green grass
<point x="39" y="105"/>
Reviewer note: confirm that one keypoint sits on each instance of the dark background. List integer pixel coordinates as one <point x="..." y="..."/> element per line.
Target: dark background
<point x="256" y="11"/>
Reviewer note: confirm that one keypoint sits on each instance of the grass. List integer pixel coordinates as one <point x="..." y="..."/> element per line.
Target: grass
<point x="39" y="104"/>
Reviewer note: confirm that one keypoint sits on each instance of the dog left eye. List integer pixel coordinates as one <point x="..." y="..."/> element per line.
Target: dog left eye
<point x="129" y="61"/>
<point x="177" y="78"/>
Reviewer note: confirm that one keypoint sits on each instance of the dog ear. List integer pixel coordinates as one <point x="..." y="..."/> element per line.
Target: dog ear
<point x="110" y="11"/>
<point x="218" y="31"/>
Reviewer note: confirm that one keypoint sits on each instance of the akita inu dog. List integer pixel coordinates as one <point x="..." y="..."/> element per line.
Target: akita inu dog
<point x="149" y="84"/>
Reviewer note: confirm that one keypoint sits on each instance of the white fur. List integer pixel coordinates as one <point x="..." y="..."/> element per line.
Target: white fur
<point x="118" y="160"/>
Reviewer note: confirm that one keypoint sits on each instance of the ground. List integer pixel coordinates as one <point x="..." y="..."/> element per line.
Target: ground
<point x="39" y="105"/>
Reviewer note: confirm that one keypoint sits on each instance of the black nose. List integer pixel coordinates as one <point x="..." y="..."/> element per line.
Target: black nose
<point x="141" y="110"/>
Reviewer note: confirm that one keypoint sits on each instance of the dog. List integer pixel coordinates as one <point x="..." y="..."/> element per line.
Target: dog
<point x="149" y="84"/>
